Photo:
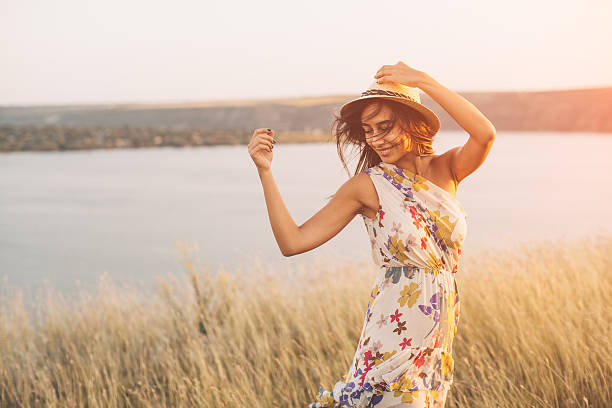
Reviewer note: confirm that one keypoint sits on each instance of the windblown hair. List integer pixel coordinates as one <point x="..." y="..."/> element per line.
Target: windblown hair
<point x="348" y="131"/>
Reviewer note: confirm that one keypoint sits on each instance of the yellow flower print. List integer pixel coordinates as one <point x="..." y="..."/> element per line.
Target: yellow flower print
<point x="445" y="228"/>
<point x="435" y="263"/>
<point x="410" y="294"/>
<point x="408" y="396"/>
<point x="373" y="296"/>
<point x="419" y="183"/>
<point x="434" y="397"/>
<point x="388" y="355"/>
<point x="375" y="291"/>
<point x="324" y="397"/>
<point x="398" y="179"/>
<point x="447" y="364"/>
<point x="395" y="178"/>
<point x="385" y="357"/>
<point x="401" y="385"/>
<point x="397" y="248"/>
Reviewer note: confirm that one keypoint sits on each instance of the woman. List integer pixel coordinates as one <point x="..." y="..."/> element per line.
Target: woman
<point x="406" y="196"/>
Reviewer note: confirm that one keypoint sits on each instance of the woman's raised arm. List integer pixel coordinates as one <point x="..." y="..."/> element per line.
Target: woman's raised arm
<point x="462" y="160"/>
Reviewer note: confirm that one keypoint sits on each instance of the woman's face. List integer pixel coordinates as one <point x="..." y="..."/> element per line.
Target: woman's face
<point x="389" y="146"/>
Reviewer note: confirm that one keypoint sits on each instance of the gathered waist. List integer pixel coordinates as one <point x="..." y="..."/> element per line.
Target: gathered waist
<point x="438" y="276"/>
<point x="416" y="268"/>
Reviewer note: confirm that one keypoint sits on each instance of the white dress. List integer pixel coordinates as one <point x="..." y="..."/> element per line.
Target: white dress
<point x="411" y="319"/>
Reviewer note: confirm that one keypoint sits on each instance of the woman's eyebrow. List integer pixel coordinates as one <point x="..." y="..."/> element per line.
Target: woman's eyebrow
<point x="382" y="121"/>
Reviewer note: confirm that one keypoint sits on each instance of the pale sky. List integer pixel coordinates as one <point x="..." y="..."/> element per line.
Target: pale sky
<point x="137" y="51"/>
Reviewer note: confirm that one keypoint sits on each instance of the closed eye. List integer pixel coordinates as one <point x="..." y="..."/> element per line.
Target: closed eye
<point x="382" y="129"/>
<point x="379" y="123"/>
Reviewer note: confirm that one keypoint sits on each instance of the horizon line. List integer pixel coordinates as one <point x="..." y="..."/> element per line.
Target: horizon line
<point x="186" y="103"/>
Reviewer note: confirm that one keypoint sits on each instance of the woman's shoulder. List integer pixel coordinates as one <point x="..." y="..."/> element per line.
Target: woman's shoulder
<point x="377" y="168"/>
<point x="365" y="190"/>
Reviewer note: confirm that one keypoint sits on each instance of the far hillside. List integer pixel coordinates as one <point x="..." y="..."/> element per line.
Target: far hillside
<point x="587" y="110"/>
<point x="296" y="120"/>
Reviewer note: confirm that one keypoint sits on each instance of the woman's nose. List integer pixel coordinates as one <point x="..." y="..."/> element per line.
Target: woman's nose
<point x="378" y="139"/>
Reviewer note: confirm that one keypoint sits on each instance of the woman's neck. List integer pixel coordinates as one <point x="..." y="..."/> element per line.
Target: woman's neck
<point x="414" y="163"/>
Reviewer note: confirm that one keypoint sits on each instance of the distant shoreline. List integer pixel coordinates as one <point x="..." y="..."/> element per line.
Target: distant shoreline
<point x="298" y="120"/>
<point x="35" y="138"/>
<point x="69" y="138"/>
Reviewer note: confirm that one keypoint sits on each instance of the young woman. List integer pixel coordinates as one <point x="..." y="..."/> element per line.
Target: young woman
<point x="406" y="196"/>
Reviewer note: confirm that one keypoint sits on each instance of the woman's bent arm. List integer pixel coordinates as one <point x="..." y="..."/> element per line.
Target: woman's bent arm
<point x="283" y="226"/>
<point x="321" y="227"/>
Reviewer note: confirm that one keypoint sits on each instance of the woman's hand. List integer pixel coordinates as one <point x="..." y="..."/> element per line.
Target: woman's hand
<point x="401" y="73"/>
<point x="260" y="148"/>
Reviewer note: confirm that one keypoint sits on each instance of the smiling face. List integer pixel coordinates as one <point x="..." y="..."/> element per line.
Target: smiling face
<point x="378" y="123"/>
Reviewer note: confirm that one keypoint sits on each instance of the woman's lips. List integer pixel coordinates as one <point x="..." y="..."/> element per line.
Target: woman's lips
<point x="385" y="152"/>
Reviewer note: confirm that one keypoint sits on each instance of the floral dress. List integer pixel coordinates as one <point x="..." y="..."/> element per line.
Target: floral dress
<point x="411" y="319"/>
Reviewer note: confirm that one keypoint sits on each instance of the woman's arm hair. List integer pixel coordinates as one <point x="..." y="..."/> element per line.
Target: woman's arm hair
<point x="321" y="227"/>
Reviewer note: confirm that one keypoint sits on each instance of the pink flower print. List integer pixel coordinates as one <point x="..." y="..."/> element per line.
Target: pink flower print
<point x="417" y="222"/>
<point x="376" y="346"/>
<point x="362" y="378"/>
<point x="396" y="316"/>
<point x="424" y="243"/>
<point x="405" y="343"/>
<point x="436" y="333"/>
<point x="419" y="360"/>
<point x="382" y="321"/>
<point x="397" y="228"/>
<point x="366" y="356"/>
<point x="385" y="283"/>
<point x="410" y="240"/>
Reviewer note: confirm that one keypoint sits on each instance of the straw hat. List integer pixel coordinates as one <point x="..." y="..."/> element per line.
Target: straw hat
<point x="400" y="93"/>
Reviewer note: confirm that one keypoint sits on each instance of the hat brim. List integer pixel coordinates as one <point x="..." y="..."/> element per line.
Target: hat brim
<point x="430" y="117"/>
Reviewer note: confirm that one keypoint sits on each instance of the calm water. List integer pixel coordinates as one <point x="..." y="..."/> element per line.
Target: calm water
<point x="68" y="217"/>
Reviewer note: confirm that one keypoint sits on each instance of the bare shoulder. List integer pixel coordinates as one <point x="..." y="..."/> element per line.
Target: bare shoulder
<point x="444" y="159"/>
<point x="441" y="171"/>
<point x="365" y="192"/>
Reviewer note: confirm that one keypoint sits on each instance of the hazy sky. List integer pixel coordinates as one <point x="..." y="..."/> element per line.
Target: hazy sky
<point x="83" y="51"/>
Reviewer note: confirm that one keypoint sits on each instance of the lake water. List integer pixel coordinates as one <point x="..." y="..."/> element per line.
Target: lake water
<point x="69" y="217"/>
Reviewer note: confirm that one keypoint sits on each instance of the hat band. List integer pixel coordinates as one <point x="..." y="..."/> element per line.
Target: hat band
<point x="387" y="93"/>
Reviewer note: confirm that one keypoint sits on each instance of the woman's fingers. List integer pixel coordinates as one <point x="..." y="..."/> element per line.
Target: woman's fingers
<point x="261" y="142"/>
<point x="262" y="145"/>
<point x="263" y="133"/>
<point x="262" y="139"/>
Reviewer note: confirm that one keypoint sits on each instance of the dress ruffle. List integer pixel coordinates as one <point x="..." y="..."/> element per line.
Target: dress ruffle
<point x="412" y="370"/>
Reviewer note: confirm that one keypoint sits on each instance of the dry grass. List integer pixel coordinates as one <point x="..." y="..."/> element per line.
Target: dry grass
<point x="534" y="332"/>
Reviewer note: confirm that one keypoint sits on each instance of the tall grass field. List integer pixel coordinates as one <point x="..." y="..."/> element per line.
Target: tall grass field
<point x="535" y="331"/>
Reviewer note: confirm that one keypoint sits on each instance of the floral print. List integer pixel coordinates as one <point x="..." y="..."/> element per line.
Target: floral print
<point x="404" y="353"/>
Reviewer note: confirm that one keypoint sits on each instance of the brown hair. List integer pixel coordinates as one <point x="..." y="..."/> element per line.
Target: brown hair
<point x="348" y="131"/>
